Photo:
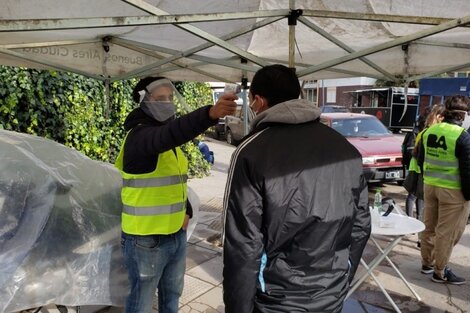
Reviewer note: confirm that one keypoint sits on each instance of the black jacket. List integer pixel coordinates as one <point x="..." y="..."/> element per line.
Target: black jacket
<point x="462" y="152"/>
<point x="296" y="192"/>
<point x="148" y="137"/>
<point x="407" y="147"/>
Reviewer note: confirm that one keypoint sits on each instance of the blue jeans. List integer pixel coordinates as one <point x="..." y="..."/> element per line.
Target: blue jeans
<point x="154" y="261"/>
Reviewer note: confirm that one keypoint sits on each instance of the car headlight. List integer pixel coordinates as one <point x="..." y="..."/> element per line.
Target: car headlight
<point x="368" y="160"/>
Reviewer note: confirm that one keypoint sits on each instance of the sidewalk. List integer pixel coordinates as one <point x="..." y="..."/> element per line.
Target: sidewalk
<point x="203" y="279"/>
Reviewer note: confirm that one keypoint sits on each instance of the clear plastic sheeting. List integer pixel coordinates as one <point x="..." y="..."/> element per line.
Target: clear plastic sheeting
<point x="59" y="226"/>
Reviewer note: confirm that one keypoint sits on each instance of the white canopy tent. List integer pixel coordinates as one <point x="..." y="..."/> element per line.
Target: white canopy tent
<point x="229" y="40"/>
<point x="225" y="40"/>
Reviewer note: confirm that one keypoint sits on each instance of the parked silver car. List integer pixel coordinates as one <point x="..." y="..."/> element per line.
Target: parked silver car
<point x="235" y="125"/>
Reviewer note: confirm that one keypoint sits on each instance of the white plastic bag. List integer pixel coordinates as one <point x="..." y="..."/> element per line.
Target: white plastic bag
<point x="195" y="204"/>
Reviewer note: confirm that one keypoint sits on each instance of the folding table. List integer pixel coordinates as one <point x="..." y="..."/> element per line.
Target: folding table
<point x="402" y="225"/>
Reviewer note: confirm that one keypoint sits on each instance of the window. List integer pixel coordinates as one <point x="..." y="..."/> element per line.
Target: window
<point x="359" y="127"/>
<point x="331" y="95"/>
<point x="400" y="98"/>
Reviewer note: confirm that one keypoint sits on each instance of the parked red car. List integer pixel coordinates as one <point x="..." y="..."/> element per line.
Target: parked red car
<point x="380" y="149"/>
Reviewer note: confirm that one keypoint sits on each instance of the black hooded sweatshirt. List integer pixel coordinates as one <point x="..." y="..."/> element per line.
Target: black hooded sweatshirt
<point x="296" y="196"/>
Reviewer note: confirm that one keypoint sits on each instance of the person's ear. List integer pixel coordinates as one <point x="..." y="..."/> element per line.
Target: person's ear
<point x="263" y="102"/>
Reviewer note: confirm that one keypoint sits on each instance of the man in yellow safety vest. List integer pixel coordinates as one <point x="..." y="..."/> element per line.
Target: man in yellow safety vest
<point x="154" y="193"/>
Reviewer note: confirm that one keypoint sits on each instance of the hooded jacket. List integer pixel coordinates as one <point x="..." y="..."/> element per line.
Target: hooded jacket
<point x="295" y="197"/>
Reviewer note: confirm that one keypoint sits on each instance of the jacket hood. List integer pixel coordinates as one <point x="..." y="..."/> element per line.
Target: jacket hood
<point x="297" y="111"/>
<point x="136" y="117"/>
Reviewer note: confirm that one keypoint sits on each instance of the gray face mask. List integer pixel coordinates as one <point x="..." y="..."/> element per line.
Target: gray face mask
<point x="160" y="111"/>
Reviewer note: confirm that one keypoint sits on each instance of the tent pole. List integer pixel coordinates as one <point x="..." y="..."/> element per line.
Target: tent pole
<point x="318" y="93"/>
<point x="244" y="82"/>
<point x="291" y="46"/>
<point x="292" y="22"/>
<point x="405" y="77"/>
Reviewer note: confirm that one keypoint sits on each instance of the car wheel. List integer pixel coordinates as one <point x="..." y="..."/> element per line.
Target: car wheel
<point x="229" y="137"/>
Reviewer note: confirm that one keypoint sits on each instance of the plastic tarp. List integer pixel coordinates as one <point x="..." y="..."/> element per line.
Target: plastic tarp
<point x="134" y="46"/>
<point x="59" y="226"/>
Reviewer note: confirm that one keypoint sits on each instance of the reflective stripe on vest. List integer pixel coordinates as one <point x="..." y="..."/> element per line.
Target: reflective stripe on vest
<point x="443" y="176"/>
<point x="441" y="166"/>
<point x="154" y="182"/>
<point x="153" y="210"/>
<point x="453" y="163"/>
<point x="155" y="202"/>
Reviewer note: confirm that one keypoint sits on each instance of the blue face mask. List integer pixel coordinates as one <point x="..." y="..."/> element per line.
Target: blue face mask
<point x="160" y="111"/>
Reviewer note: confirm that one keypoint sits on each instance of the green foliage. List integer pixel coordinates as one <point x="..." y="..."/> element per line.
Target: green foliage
<point x="381" y="83"/>
<point x="74" y="110"/>
<point x="199" y="167"/>
<point x="67" y="108"/>
<point x="195" y="95"/>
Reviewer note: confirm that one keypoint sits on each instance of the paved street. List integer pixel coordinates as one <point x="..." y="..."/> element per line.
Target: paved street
<point x="203" y="289"/>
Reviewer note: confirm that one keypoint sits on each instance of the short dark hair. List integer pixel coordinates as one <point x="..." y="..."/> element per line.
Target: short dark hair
<point x="144" y="82"/>
<point x="277" y="83"/>
<point x="454" y="105"/>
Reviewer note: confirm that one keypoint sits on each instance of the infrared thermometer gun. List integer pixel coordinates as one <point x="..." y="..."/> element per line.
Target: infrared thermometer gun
<point x="235" y="88"/>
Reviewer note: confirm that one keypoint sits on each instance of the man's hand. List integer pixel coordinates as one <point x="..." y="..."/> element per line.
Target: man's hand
<point x="186" y="222"/>
<point x="225" y="106"/>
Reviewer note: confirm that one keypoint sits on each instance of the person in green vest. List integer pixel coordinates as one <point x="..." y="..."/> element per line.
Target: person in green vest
<point x="414" y="180"/>
<point x="444" y="158"/>
<point x="155" y="210"/>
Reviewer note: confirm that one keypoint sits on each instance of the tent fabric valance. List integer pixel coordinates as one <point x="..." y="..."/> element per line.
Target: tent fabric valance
<point x="224" y="40"/>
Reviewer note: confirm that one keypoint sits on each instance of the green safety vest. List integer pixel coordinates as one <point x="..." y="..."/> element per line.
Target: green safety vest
<point x="414" y="167"/>
<point x="155" y="202"/>
<point x="441" y="166"/>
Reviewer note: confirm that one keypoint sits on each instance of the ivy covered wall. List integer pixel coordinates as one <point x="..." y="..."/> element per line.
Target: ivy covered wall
<point x="73" y="110"/>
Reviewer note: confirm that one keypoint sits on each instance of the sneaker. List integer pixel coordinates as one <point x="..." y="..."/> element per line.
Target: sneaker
<point x="425" y="269"/>
<point x="449" y="278"/>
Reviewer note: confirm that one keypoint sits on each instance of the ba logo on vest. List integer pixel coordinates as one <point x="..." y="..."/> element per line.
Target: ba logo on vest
<point x="435" y="142"/>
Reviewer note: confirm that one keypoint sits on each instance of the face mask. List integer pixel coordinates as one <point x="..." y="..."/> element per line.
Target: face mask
<point x="160" y="111"/>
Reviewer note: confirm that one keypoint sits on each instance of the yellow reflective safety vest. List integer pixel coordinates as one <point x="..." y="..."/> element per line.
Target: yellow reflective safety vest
<point x="155" y="203"/>
<point x="414" y="167"/>
<point x="441" y="166"/>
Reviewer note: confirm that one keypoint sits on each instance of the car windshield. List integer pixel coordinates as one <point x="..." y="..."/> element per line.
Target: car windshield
<point x="359" y="127"/>
<point x="334" y="109"/>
